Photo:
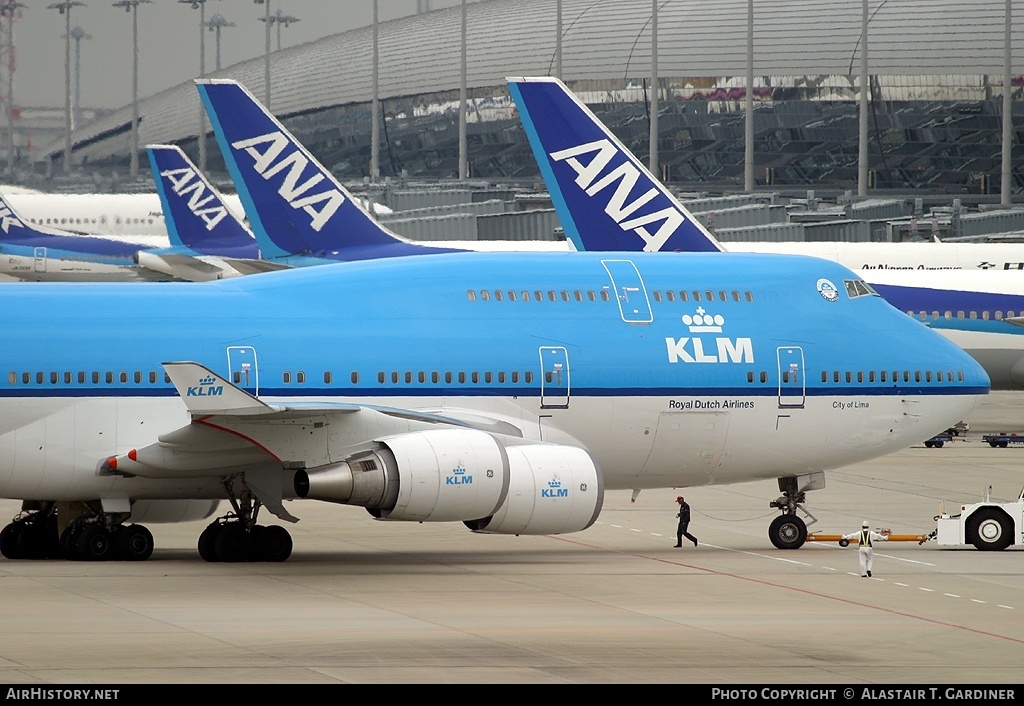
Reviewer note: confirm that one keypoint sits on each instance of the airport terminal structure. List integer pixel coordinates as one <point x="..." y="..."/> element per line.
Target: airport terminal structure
<point x="936" y="72"/>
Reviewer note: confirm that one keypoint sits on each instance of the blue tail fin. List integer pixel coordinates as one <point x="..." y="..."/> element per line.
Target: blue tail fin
<point x="605" y="197"/>
<point x="294" y="205"/>
<point x="195" y="213"/>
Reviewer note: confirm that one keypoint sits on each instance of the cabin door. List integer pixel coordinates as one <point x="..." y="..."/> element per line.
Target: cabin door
<point x="554" y="377"/>
<point x="243" y="370"/>
<point x="629" y="291"/>
<point x="792" y="382"/>
<point x="40" y="260"/>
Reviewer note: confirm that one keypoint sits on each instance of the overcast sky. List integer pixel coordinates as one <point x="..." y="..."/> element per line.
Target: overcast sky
<point x="168" y="42"/>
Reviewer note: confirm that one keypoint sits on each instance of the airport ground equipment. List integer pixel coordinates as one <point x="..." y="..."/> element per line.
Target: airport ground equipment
<point x="988" y="525"/>
<point x="938" y="440"/>
<point x="1002" y="439"/>
<point x="819" y="537"/>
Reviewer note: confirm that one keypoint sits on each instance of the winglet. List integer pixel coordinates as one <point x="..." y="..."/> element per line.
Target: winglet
<point x="295" y="206"/>
<point x="606" y="199"/>
<point x="195" y="213"/>
<point x="205" y="392"/>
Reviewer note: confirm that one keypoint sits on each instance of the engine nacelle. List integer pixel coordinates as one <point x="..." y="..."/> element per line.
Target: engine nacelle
<point x="158" y="511"/>
<point x="554" y="489"/>
<point x="443" y="475"/>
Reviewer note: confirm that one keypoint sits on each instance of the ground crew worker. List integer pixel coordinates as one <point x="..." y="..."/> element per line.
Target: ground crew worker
<point x="684" y="522"/>
<point x="865" y="539"/>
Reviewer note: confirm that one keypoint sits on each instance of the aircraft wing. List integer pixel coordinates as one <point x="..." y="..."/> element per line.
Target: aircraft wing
<point x="234" y="433"/>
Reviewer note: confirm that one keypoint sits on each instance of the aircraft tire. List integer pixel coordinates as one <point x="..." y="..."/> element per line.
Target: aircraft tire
<point x="10" y="537"/>
<point x="787" y="532"/>
<point x="69" y="542"/>
<point x="990" y="530"/>
<point x="95" y="543"/>
<point x="276" y="544"/>
<point x="134" y="543"/>
<point x="232" y="543"/>
<point x="208" y="542"/>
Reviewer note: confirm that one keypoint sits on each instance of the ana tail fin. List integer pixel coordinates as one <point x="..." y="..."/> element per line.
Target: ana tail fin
<point x="195" y="213"/>
<point x="605" y="197"/>
<point x="294" y="205"/>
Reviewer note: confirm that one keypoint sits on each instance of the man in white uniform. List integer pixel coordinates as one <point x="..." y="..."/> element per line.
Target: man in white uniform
<point x="865" y="539"/>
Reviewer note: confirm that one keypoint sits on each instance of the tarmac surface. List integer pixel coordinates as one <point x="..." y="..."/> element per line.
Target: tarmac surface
<point x="370" y="602"/>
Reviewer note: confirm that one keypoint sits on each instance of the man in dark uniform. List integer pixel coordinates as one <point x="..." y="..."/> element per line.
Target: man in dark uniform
<point x="684" y="522"/>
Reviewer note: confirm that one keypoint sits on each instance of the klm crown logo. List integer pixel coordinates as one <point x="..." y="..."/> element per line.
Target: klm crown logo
<point x="703" y="322"/>
<point x="459" y="476"/>
<point x="554" y="489"/>
<point x="694" y="349"/>
<point x="205" y="388"/>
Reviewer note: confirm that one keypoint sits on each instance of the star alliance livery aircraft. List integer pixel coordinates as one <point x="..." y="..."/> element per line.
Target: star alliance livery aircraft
<point x="608" y="200"/>
<point x="198" y="221"/>
<point x="300" y="214"/>
<point x="506" y="391"/>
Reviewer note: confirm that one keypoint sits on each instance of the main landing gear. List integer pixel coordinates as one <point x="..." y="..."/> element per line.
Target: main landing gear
<point x="789" y="531"/>
<point x="236" y="536"/>
<point x="91" y="536"/>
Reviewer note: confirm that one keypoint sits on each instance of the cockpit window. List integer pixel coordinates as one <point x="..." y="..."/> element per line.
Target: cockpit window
<point x="858" y="288"/>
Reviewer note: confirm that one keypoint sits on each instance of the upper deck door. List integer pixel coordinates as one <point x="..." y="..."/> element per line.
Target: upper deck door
<point x="628" y="286"/>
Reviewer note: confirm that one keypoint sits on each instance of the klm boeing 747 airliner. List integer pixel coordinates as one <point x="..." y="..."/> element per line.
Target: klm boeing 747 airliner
<point x="507" y="391"/>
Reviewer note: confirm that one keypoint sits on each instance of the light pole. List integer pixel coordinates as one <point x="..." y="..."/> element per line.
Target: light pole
<point x="214" y="25"/>
<point x="78" y="34"/>
<point x="278" y="18"/>
<point x="7" y="11"/>
<point x="132" y="6"/>
<point x="64" y="8"/>
<point x="266" y="51"/>
<point x="201" y="136"/>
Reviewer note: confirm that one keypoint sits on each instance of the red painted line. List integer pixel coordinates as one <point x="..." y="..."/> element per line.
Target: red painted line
<point x="238" y="434"/>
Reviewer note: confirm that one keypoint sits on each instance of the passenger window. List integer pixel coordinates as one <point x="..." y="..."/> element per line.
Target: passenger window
<point x="328" y="377"/>
<point x="462" y="377"/>
<point x="604" y="295"/>
<point x="528" y="377"/>
<point x="354" y="377"/>
<point x="471" y="295"/>
<point x="395" y="379"/>
<point x="475" y="377"/>
<point x="485" y="295"/>
<point x="286" y="377"/>
<point x="54" y="378"/>
<point x="12" y="378"/>
<point x="448" y="377"/>
<point x="670" y="295"/>
<point x="381" y="377"/>
<point x="408" y="377"/>
<point x="422" y="377"/>
<point x="300" y="377"/>
<point x="435" y="377"/>
<point x="67" y="378"/>
<point x="515" y="377"/>
<point x="497" y="295"/>
<point x="657" y="296"/>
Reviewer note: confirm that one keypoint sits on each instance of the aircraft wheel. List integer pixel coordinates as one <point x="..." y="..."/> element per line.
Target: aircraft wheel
<point x="990" y="530"/>
<point x="208" y="542"/>
<point x="232" y="543"/>
<point x="10" y="540"/>
<point x="94" y="543"/>
<point x="69" y="542"/>
<point x="134" y="543"/>
<point x="276" y="544"/>
<point x="788" y="532"/>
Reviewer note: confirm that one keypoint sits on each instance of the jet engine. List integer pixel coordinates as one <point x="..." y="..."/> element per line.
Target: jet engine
<point x="465" y="475"/>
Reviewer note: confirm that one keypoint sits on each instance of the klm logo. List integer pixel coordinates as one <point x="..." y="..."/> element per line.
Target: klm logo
<point x="273" y="154"/>
<point x="554" y="490"/>
<point x="205" y="388"/>
<point x="459" y="476"/>
<point x="700" y="350"/>
<point x="8" y="219"/>
<point x="203" y="204"/>
<point x="591" y="177"/>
